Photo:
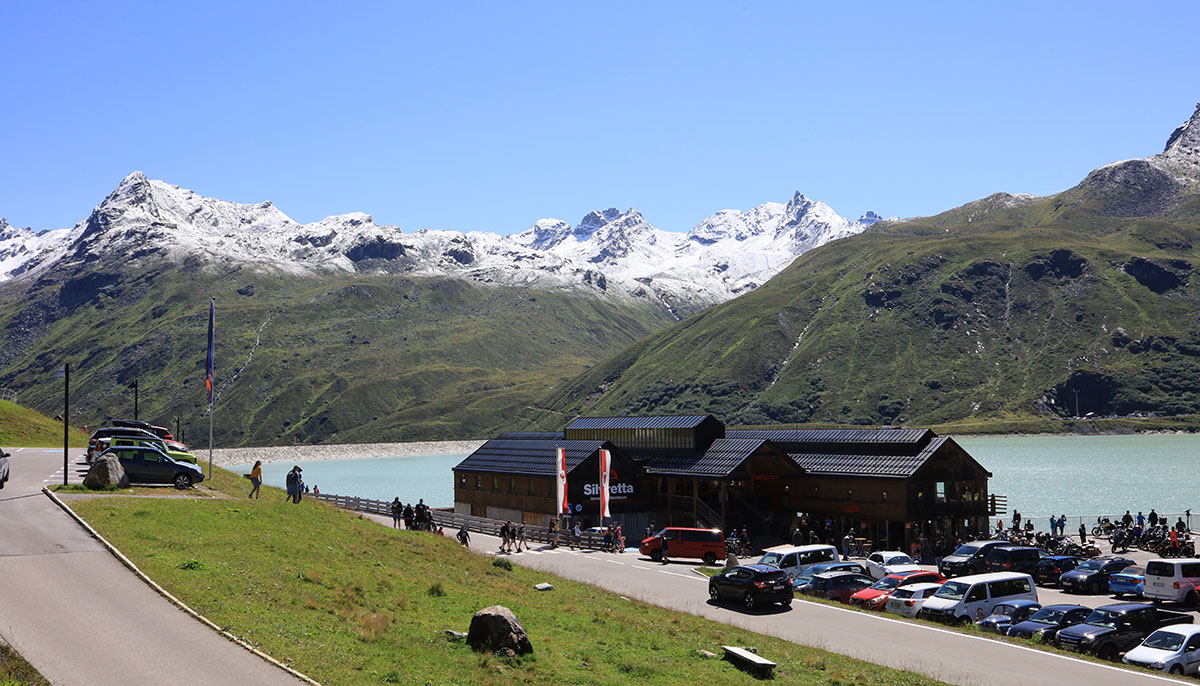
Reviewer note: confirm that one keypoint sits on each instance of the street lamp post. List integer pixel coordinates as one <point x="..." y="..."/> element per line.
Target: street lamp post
<point x="134" y="386"/>
<point x="65" y="373"/>
<point x="1076" y="392"/>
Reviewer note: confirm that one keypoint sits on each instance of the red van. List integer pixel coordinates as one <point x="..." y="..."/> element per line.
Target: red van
<point x="703" y="544"/>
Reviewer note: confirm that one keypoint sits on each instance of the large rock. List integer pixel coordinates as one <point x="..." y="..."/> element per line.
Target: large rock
<point x="106" y="472"/>
<point x="497" y="629"/>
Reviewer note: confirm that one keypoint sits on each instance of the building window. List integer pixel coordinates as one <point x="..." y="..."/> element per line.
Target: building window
<point x="512" y="485"/>
<point x="478" y="482"/>
<point x="496" y="484"/>
<point x="532" y="487"/>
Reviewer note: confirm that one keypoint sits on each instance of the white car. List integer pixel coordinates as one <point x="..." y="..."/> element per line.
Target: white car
<point x="906" y="601"/>
<point x="1172" y="649"/>
<point x="884" y="562"/>
<point x="3" y="468"/>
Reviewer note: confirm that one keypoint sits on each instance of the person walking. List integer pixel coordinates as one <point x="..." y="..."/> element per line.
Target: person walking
<point x="620" y="538"/>
<point x="576" y="536"/>
<point x="666" y="547"/>
<point x="397" y="512"/>
<point x="464" y="537"/>
<point x="408" y="516"/>
<point x="521" y="537"/>
<point x="504" y="537"/>
<point x="255" y="480"/>
<point x="554" y="533"/>
<point x="292" y="481"/>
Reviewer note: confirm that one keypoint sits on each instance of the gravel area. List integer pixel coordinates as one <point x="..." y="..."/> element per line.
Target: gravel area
<point x="345" y="451"/>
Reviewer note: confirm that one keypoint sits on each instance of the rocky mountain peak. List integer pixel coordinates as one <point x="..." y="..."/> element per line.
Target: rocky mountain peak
<point x="595" y="220"/>
<point x="869" y="219"/>
<point x="1182" y="151"/>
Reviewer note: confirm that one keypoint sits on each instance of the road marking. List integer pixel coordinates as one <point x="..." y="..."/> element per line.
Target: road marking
<point x="614" y="562"/>
<point x="686" y="576"/>
<point x="996" y="642"/>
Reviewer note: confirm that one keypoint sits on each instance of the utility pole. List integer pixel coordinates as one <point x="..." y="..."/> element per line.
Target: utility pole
<point x="134" y="386"/>
<point x="65" y="373"/>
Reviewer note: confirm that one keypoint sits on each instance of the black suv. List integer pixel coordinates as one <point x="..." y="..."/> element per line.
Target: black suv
<point x="968" y="559"/>
<point x="1012" y="558"/>
<point x="753" y="585"/>
<point x="148" y="465"/>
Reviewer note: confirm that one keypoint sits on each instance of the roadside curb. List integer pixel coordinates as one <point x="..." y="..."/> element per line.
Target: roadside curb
<point x="164" y="593"/>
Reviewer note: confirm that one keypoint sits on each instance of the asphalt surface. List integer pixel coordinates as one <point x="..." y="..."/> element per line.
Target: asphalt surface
<point x="80" y="617"/>
<point x="943" y="654"/>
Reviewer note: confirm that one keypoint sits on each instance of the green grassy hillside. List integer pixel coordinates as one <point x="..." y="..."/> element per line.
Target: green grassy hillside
<point x="996" y="311"/>
<point x="333" y="359"/>
<point x="23" y="427"/>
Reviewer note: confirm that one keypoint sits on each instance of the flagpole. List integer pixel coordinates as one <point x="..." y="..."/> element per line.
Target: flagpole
<point x="212" y="315"/>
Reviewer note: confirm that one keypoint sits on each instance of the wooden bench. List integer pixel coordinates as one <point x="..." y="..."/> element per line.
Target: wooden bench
<point x="759" y="666"/>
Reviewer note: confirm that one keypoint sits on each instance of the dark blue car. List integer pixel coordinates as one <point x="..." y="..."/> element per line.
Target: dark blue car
<point x="752" y="585"/>
<point x="801" y="581"/>
<point x="1091" y="576"/>
<point x="1047" y="621"/>
<point x="1006" y="614"/>
<point x="1048" y="569"/>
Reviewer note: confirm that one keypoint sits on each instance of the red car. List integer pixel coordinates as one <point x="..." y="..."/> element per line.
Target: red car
<point x="876" y="595"/>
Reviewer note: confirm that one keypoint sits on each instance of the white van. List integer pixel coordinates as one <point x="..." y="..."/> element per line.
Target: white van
<point x="796" y="559"/>
<point x="971" y="598"/>
<point x="1177" y="580"/>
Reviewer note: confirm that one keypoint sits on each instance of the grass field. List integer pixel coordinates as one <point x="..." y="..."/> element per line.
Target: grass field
<point x="347" y="601"/>
<point x="15" y="671"/>
<point x="23" y="427"/>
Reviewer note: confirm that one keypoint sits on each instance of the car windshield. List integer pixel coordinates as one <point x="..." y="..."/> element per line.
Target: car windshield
<point x="771" y="559"/>
<point x="1164" y="640"/>
<point x="887" y="583"/>
<point x="966" y="550"/>
<point x="1047" y="616"/>
<point x="899" y="560"/>
<point x="1090" y="565"/>
<point x="952" y="590"/>
<point x="1004" y="610"/>
<point x="1103" y="618"/>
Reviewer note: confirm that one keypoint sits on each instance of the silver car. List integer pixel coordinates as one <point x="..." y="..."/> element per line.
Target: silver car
<point x="3" y="467"/>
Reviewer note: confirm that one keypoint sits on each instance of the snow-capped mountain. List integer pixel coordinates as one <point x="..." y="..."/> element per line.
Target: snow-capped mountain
<point x="616" y="253"/>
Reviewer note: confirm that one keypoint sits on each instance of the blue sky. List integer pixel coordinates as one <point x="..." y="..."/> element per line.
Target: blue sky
<point x="492" y="115"/>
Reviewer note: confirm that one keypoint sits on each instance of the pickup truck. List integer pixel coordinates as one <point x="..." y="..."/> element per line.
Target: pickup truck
<point x="1114" y="629"/>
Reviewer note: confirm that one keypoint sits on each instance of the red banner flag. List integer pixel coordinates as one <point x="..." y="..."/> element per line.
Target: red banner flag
<point x="562" y="481"/>
<point x="605" y="464"/>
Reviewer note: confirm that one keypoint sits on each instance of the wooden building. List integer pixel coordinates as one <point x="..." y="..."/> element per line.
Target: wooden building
<point x="886" y="484"/>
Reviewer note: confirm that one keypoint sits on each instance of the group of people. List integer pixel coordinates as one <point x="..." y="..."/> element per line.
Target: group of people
<point x="512" y="537"/>
<point x="296" y="488"/>
<point x="1154" y="519"/>
<point x="418" y="518"/>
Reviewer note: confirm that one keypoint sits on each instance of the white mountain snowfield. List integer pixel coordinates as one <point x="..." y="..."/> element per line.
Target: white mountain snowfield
<point x="614" y="253"/>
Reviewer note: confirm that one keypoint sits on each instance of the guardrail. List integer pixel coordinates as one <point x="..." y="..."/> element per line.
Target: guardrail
<point x="452" y="522"/>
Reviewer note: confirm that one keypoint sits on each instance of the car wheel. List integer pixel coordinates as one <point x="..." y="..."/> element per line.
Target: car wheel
<point x="713" y="593"/>
<point x="710" y="558"/>
<point x="786" y="603"/>
<point x="1108" y="652"/>
<point x="749" y="601"/>
<point x="1094" y="587"/>
<point x="656" y="555"/>
<point x="1176" y="669"/>
<point x="182" y="481"/>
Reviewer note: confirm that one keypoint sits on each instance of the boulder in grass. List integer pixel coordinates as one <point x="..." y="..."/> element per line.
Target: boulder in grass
<point x="497" y="629"/>
<point x="106" y="472"/>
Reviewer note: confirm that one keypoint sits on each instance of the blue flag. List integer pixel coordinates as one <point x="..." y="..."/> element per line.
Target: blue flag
<point x="208" y="377"/>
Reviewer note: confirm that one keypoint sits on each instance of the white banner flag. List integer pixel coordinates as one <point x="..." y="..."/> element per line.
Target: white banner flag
<point x="605" y="465"/>
<point x="561" y="460"/>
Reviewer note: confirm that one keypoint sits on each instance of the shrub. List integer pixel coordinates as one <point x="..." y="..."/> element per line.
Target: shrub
<point x="437" y="591"/>
<point x="502" y="564"/>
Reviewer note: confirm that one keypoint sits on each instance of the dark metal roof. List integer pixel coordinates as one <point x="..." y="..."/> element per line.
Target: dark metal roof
<point x="867" y="465"/>
<point x="532" y="435"/>
<point x="782" y="437"/>
<point x="721" y="458"/>
<point x="527" y="456"/>
<point x="677" y="422"/>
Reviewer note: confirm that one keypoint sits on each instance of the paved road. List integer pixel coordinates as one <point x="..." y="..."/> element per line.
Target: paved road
<point x="941" y="653"/>
<point x="80" y="617"/>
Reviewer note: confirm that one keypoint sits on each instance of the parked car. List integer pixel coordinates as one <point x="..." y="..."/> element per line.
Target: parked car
<point x="702" y="544"/>
<point x="149" y="465"/>
<point x="837" y="585"/>
<point x="967" y="559"/>
<point x="906" y="601"/>
<point x="160" y="431"/>
<point x="875" y="596"/>
<point x="152" y="442"/>
<point x="1049" y="569"/>
<point x="1006" y="614"/>
<point x="1091" y="576"/>
<point x="795" y="559"/>
<point x="1012" y="558"/>
<point x="93" y="448"/>
<point x="1112" y="629"/>
<point x="1047" y="621"/>
<point x="751" y="585"/>
<point x="803" y="578"/>
<point x="3" y="467"/>
<point x="969" y="598"/>
<point x="884" y="562"/>
<point x="1174" y="649"/>
<point x="1128" y="581"/>
<point x="1174" y="580"/>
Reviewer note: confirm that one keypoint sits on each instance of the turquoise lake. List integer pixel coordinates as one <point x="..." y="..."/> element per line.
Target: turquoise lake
<point x="1072" y="475"/>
